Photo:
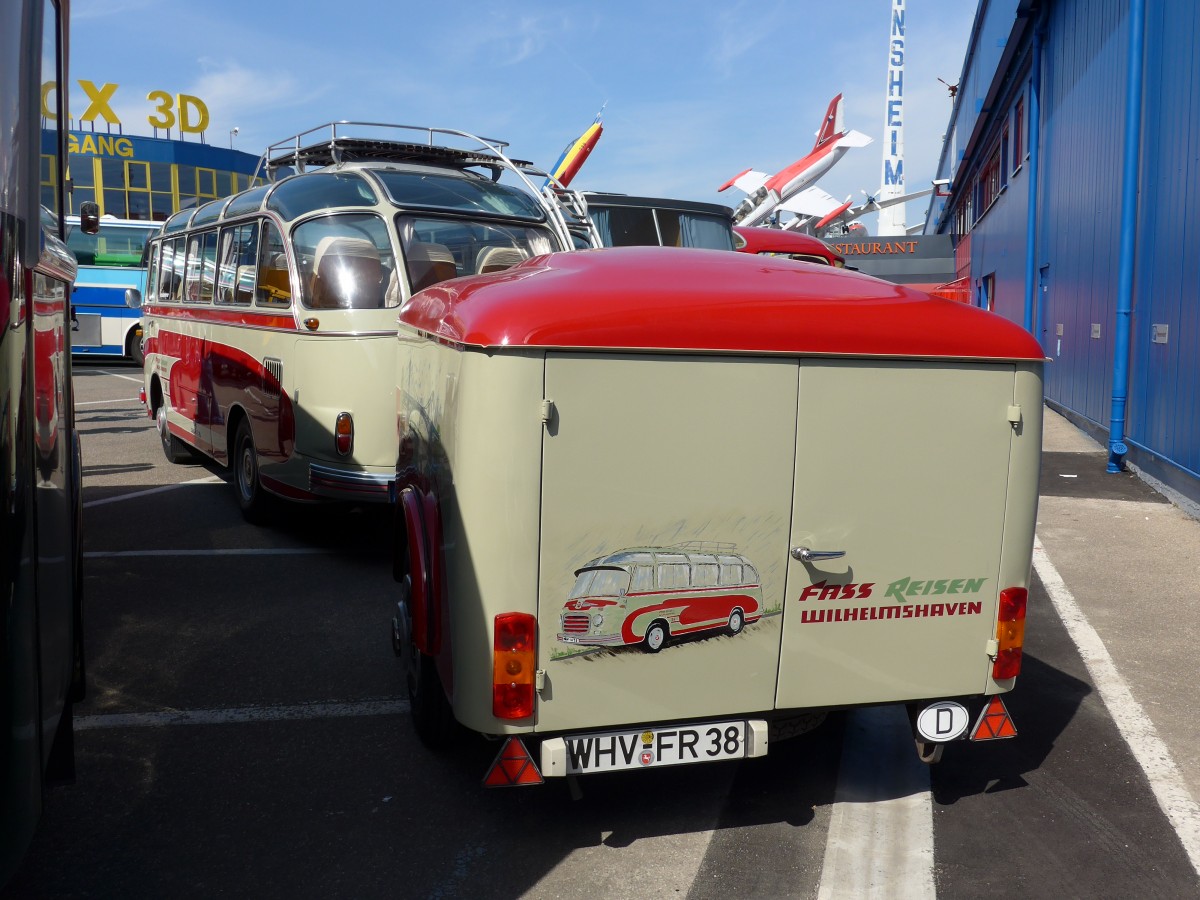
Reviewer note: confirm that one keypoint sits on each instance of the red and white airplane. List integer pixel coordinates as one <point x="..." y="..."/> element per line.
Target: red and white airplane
<point x="844" y="214"/>
<point x="792" y="189"/>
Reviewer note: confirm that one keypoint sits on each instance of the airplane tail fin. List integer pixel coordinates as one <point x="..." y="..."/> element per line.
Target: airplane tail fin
<point x="831" y="127"/>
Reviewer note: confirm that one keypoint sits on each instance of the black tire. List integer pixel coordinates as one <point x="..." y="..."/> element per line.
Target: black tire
<point x="656" y="637"/>
<point x="254" y="502"/>
<point x="134" y="349"/>
<point x="737" y="621"/>
<point x="175" y="450"/>
<point x="432" y="717"/>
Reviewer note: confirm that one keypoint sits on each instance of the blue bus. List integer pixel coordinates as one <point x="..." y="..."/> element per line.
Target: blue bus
<point x="110" y="262"/>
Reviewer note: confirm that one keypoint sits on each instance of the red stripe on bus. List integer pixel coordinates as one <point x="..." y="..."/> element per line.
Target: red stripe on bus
<point x="216" y="316"/>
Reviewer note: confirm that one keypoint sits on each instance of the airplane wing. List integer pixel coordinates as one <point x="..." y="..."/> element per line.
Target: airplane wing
<point x="811" y="202"/>
<point x="748" y="182"/>
<point x="873" y="205"/>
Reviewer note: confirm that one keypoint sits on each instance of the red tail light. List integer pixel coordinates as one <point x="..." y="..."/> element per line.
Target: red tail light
<point x="514" y="658"/>
<point x="343" y="434"/>
<point x="1010" y="633"/>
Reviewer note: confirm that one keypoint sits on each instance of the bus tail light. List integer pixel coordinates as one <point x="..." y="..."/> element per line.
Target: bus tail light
<point x="343" y="433"/>
<point x="513" y="662"/>
<point x="1010" y="633"/>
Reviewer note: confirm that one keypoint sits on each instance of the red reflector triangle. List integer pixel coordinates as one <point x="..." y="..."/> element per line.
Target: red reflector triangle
<point x="513" y="766"/>
<point x="994" y="722"/>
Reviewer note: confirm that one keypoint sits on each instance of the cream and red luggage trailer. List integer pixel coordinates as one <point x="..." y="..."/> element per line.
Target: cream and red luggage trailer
<point x="870" y="452"/>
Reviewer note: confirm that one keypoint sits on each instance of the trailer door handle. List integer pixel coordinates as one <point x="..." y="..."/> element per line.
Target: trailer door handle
<point x="805" y="555"/>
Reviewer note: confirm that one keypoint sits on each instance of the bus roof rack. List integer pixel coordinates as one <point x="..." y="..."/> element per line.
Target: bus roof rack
<point x="331" y="144"/>
<point x="353" y="141"/>
<point x="340" y="150"/>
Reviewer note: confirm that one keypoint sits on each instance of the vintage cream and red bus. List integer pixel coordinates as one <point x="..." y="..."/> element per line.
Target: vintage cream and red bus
<point x="648" y="595"/>
<point x="41" y="510"/>
<point x="269" y="316"/>
<point x="872" y="451"/>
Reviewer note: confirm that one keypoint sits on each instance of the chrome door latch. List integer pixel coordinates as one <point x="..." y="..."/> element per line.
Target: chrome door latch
<point x="803" y="554"/>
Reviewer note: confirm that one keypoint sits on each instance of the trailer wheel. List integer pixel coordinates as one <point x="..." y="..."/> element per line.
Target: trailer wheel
<point x="737" y="621"/>
<point x="432" y="717"/>
<point x="656" y="636"/>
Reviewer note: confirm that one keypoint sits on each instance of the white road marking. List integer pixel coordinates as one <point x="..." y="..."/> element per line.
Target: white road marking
<point x="880" y="839"/>
<point x="126" y="377"/>
<point x="242" y="714"/>
<point x="211" y="479"/>
<point x="212" y="551"/>
<point x="1170" y="790"/>
<point x="103" y="402"/>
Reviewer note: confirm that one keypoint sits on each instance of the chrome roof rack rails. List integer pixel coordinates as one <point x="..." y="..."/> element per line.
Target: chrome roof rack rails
<point x="332" y="144"/>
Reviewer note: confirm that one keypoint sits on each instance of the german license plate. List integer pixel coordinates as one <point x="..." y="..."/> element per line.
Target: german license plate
<point x="672" y="745"/>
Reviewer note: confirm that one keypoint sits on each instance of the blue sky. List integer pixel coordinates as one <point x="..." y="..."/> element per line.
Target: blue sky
<point x="696" y="92"/>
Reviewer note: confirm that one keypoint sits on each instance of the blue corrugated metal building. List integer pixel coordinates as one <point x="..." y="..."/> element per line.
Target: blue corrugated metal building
<point x="1072" y="170"/>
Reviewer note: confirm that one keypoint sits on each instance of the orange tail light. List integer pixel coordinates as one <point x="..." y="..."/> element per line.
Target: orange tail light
<point x="514" y="659"/>
<point x="343" y="433"/>
<point x="1010" y="633"/>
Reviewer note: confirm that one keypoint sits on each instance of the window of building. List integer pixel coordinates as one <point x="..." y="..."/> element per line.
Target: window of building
<point x="1004" y="157"/>
<point x="1018" y="125"/>
<point x="49" y="182"/>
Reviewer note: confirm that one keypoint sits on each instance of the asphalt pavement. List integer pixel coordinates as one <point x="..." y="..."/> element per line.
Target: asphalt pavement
<point x="245" y="732"/>
<point x="1127" y="549"/>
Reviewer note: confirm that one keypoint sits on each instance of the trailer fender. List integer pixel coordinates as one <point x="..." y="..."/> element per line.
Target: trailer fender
<point x="412" y="558"/>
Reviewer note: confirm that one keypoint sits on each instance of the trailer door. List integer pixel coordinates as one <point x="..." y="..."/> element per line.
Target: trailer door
<point x="663" y="455"/>
<point x="903" y="467"/>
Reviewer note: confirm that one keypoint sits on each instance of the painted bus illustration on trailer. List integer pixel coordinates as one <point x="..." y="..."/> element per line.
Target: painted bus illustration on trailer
<point x="649" y="595"/>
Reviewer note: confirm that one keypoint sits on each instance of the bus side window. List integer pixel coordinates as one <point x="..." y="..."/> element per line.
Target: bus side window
<point x="672" y="576"/>
<point x="208" y="266"/>
<point x="731" y="573"/>
<point x="239" y="252"/>
<point x="274" y="285"/>
<point x="643" y="580"/>
<point x="170" y="279"/>
<point x="152" y="272"/>
<point x="704" y="574"/>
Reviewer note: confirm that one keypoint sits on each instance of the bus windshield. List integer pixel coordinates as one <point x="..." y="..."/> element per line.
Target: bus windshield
<point x="437" y="249"/>
<point x="459" y="193"/>
<point x="600" y="583"/>
<point x="116" y="245"/>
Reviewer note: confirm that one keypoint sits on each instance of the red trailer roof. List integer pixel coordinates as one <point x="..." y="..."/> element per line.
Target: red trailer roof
<point x="661" y="298"/>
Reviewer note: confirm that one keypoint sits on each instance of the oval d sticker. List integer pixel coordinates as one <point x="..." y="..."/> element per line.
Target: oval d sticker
<point x="944" y="721"/>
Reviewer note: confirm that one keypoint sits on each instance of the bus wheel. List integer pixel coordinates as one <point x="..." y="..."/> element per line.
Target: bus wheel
<point x="252" y="499"/>
<point x="175" y="450"/>
<point x="432" y="717"/>
<point x="656" y="636"/>
<point x="737" y="621"/>
<point x="133" y="347"/>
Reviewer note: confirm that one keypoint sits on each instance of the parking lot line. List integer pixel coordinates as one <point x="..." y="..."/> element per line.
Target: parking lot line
<point x="1170" y="790"/>
<point x="119" y="498"/>
<point x="880" y="839"/>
